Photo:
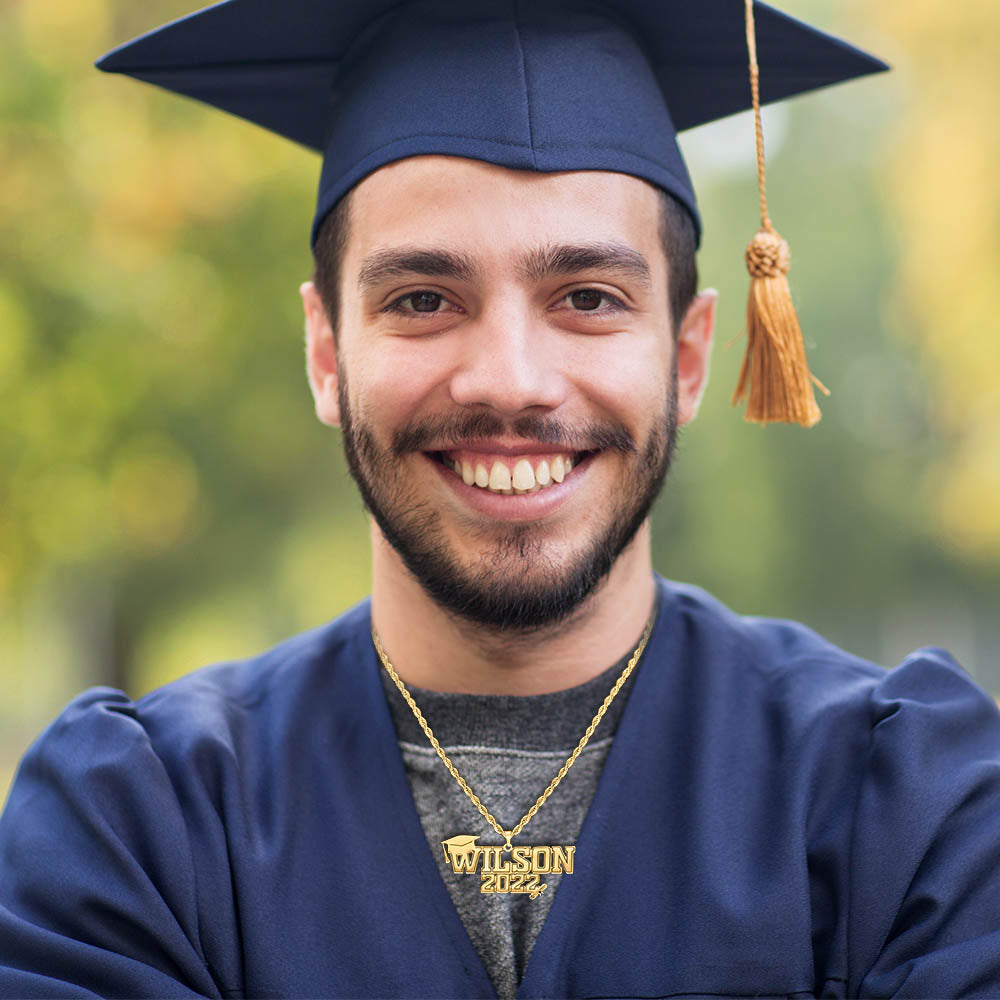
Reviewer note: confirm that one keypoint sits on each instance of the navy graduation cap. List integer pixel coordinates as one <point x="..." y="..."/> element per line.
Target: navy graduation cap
<point x="543" y="85"/>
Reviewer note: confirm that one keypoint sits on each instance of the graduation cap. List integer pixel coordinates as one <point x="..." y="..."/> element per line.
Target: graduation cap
<point x="458" y="847"/>
<point x="545" y="85"/>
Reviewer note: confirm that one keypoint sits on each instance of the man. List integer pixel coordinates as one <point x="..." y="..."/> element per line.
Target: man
<point x="527" y="766"/>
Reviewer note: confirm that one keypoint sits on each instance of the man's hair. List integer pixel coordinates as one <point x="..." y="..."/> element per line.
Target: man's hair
<point x="679" y="240"/>
<point x="328" y="256"/>
<point x="677" y="236"/>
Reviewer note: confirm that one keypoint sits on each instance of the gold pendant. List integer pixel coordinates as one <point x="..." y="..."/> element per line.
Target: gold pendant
<point x="520" y="873"/>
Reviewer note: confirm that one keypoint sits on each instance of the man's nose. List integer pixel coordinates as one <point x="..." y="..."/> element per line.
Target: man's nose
<point x="509" y="362"/>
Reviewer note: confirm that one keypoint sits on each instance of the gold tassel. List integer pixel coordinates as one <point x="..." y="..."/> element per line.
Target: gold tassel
<point x="774" y="377"/>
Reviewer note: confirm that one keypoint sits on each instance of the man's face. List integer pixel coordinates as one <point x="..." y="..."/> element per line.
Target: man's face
<point x="505" y="377"/>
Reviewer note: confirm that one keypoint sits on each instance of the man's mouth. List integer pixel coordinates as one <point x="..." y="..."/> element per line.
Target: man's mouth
<point x="510" y="474"/>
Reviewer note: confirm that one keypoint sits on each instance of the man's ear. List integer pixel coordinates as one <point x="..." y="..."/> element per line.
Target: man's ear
<point x="694" y="348"/>
<point x="321" y="356"/>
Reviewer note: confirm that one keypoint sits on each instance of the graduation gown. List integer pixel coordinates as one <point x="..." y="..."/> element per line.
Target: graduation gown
<point x="775" y="818"/>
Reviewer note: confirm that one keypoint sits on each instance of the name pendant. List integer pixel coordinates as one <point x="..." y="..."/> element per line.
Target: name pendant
<point x="521" y="872"/>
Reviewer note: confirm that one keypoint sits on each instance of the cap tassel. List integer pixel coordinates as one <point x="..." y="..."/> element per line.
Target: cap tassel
<point x="775" y="377"/>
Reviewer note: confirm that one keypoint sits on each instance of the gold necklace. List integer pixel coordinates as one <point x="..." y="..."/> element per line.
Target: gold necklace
<point x="520" y="874"/>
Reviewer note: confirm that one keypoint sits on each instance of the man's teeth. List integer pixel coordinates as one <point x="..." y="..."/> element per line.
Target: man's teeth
<point x="523" y="478"/>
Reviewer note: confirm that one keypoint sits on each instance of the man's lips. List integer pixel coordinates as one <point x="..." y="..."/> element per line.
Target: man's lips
<point x="514" y="505"/>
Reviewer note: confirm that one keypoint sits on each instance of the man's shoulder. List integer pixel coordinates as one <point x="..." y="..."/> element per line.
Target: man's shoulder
<point x="782" y="662"/>
<point x="317" y="658"/>
<point x="769" y="647"/>
<point x="232" y="710"/>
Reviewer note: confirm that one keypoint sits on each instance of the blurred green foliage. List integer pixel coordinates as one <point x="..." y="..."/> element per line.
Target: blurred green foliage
<point x="167" y="497"/>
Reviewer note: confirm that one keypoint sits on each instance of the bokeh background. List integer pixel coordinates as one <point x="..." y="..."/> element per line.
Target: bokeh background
<point x="168" y="499"/>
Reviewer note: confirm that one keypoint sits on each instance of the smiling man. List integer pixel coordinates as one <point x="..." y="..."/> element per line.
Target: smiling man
<point x="509" y="377"/>
<point x="526" y="766"/>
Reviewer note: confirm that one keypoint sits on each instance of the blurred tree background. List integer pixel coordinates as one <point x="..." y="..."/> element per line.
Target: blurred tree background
<point x="168" y="499"/>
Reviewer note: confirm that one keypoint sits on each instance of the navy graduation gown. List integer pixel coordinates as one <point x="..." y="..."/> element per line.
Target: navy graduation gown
<point x="775" y="818"/>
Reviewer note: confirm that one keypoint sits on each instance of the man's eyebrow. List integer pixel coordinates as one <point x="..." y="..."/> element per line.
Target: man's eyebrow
<point x="382" y="265"/>
<point x="569" y="259"/>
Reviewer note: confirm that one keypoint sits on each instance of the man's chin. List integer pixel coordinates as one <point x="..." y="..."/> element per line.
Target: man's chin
<point x="516" y="586"/>
<point x="510" y="606"/>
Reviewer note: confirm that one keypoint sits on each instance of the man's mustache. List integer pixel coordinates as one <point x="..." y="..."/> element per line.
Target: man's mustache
<point x="455" y="430"/>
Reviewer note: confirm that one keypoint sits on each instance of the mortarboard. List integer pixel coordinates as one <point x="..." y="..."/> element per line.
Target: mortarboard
<point x="543" y="85"/>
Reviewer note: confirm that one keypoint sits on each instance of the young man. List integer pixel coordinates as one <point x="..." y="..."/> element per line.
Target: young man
<point x="526" y="766"/>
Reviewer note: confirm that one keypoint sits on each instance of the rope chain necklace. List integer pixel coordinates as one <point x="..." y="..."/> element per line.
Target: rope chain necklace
<point x="522" y="872"/>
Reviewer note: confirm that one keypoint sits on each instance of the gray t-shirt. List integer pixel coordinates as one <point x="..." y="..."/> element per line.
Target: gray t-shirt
<point x="508" y="748"/>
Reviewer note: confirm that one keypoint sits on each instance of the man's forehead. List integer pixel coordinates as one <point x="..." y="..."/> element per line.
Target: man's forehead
<point x="460" y="203"/>
<point x="424" y="178"/>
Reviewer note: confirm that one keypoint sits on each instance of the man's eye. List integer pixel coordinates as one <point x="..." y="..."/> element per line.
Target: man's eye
<point x="420" y="302"/>
<point x="592" y="300"/>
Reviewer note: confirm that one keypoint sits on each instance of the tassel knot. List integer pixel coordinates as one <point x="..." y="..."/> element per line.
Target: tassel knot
<point x="767" y="255"/>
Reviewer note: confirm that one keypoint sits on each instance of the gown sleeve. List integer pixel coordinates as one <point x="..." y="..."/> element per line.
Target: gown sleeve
<point x="97" y="884"/>
<point x="925" y="907"/>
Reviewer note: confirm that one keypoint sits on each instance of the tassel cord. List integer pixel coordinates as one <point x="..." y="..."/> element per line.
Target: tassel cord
<point x="765" y="219"/>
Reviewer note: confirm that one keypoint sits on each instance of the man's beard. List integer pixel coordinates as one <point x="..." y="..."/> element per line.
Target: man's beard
<point x="513" y="586"/>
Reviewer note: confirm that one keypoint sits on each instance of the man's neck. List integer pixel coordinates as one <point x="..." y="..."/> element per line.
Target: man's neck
<point x="434" y="649"/>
